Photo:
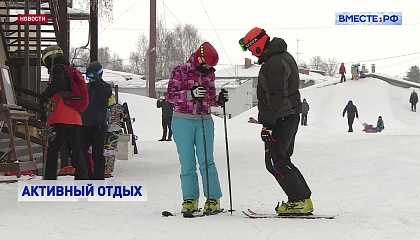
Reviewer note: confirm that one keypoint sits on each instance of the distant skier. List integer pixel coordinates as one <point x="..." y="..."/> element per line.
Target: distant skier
<point x="351" y="113"/>
<point x="342" y="71"/>
<point x="167" y="112"/>
<point x="413" y="100"/>
<point x="305" y="110"/>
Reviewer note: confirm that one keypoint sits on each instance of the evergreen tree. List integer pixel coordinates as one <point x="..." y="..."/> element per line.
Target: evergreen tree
<point x="413" y="74"/>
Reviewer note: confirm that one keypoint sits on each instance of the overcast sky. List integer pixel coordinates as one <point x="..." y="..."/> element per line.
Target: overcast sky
<point x="310" y="21"/>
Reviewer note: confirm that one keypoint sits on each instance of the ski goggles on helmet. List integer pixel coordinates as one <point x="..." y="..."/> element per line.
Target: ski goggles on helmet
<point x="242" y="44"/>
<point x="91" y="75"/>
<point x="251" y="42"/>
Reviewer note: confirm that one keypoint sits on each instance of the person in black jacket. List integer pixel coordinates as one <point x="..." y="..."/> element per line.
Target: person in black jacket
<point x="64" y="121"/>
<point x="94" y="120"/>
<point x="351" y="113"/>
<point x="167" y="112"/>
<point x="413" y="100"/>
<point x="305" y="110"/>
<point x="279" y="107"/>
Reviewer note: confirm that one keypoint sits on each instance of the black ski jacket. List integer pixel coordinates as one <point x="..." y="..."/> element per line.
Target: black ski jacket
<point x="351" y="110"/>
<point x="96" y="112"/>
<point x="414" y="98"/>
<point x="278" y="83"/>
<point x="167" y="108"/>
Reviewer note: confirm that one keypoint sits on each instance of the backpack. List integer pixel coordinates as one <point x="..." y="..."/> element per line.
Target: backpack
<point x="78" y="97"/>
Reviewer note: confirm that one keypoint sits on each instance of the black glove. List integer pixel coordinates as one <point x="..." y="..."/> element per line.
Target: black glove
<point x="223" y="97"/>
<point x="267" y="133"/>
<point x="198" y="92"/>
<point x="43" y="117"/>
<point x="43" y="102"/>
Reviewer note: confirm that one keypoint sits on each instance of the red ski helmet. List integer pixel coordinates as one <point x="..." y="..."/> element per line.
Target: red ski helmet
<point x="254" y="41"/>
<point x="206" y="53"/>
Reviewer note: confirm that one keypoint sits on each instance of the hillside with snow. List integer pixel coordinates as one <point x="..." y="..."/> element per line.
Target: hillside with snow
<point x="369" y="180"/>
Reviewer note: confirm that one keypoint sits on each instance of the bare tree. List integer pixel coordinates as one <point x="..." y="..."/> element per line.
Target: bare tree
<point x="134" y="63"/>
<point x="302" y="64"/>
<point x="316" y="62"/>
<point x="116" y="63"/>
<point x="189" y="39"/>
<point x="104" y="57"/>
<point x="173" y="48"/>
<point x="137" y="61"/>
<point x="330" y="66"/>
<point x="104" y="8"/>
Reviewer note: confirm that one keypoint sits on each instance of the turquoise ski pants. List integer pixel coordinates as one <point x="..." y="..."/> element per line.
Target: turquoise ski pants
<point x="188" y="136"/>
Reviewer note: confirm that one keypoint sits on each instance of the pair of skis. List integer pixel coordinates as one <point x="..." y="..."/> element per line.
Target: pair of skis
<point x="251" y="214"/>
<point x="193" y="214"/>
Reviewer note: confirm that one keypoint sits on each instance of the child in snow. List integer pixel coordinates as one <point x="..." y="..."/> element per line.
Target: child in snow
<point x="380" y="124"/>
<point x="362" y="74"/>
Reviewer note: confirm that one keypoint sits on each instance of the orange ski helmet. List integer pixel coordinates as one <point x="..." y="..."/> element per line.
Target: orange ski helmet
<point x="254" y="41"/>
<point x="206" y="53"/>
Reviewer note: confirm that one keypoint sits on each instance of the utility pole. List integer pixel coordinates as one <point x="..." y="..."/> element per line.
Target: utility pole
<point x="93" y="25"/>
<point x="297" y="51"/>
<point x="152" y="50"/>
<point x="146" y="72"/>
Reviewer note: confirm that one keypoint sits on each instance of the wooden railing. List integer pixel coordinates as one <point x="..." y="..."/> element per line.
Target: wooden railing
<point x="55" y="16"/>
<point x="33" y="107"/>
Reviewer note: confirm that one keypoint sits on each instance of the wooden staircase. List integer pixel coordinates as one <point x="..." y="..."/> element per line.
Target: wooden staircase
<point x="22" y="47"/>
<point x="13" y="32"/>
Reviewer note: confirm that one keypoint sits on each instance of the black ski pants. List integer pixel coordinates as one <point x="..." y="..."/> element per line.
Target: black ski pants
<point x="278" y="162"/>
<point x="166" y="125"/>
<point x="343" y="77"/>
<point x="67" y="134"/>
<point x="413" y="107"/>
<point x="95" y="136"/>
<point x="350" y="120"/>
<point x="304" y="120"/>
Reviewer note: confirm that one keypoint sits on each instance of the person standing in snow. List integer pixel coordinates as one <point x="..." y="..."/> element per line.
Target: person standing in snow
<point x="413" y="100"/>
<point x="191" y="89"/>
<point x="167" y="112"/>
<point x="342" y="71"/>
<point x="351" y="113"/>
<point x="279" y="107"/>
<point x="305" y="110"/>
<point x="64" y="120"/>
<point x="94" y="120"/>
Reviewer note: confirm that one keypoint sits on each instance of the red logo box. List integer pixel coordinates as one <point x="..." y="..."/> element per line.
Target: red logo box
<point x="32" y="18"/>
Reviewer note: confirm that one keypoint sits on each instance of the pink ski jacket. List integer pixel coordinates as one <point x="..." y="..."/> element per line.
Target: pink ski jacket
<point x="182" y="79"/>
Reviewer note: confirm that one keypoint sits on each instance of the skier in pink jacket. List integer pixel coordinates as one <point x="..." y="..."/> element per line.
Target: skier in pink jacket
<point x="191" y="89"/>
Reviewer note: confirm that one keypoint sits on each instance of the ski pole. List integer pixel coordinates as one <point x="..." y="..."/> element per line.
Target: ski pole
<point x="205" y="155"/>
<point x="46" y="134"/>
<point x="227" y="157"/>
